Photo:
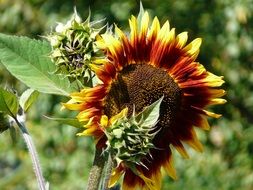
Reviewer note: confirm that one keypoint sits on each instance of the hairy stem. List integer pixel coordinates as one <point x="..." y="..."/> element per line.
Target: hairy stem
<point x="108" y="173"/>
<point x="33" y="153"/>
<point x="96" y="170"/>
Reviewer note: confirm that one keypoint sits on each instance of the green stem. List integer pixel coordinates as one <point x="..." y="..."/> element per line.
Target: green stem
<point x="96" y="170"/>
<point x="33" y="154"/>
<point x="108" y="173"/>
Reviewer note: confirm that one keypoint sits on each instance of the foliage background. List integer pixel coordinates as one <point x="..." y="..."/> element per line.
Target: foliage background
<point x="226" y="29"/>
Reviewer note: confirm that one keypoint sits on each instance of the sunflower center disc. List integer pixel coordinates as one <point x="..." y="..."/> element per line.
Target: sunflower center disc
<point x="141" y="85"/>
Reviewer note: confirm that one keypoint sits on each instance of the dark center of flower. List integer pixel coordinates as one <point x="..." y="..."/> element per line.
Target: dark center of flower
<point x="141" y="85"/>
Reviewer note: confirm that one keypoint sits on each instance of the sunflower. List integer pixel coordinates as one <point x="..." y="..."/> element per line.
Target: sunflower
<point x="139" y="69"/>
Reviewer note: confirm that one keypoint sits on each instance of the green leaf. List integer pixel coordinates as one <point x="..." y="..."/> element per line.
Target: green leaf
<point x="4" y="124"/>
<point x="68" y="121"/>
<point x="149" y="116"/>
<point x="27" y="98"/>
<point x="28" y="60"/>
<point x="8" y="102"/>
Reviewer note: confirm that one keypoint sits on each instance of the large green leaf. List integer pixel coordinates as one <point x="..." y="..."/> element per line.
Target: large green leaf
<point x="8" y="102"/>
<point x="28" y="60"/>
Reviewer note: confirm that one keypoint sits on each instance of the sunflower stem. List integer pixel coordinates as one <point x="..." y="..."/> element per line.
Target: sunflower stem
<point x="108" y="171"/>
<point x="96" y="170"/>
<point x="33" y="154"/>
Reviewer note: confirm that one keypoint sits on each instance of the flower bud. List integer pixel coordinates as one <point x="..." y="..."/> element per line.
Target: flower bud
<point x="130" y="139"/>
<point x="74" y="47"/>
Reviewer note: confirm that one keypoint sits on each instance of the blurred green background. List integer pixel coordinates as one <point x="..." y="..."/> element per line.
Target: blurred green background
<point x="227" y="49"/>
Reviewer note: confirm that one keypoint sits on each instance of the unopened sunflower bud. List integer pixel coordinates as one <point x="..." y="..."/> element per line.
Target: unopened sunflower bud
<point x="74" y="47"/>
<point x="130" y="139"/>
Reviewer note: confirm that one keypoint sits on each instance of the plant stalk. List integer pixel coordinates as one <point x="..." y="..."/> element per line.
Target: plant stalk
<point x="96" y="170"/>
<point x="108" y="173"/>
<point x="33" y="154"/>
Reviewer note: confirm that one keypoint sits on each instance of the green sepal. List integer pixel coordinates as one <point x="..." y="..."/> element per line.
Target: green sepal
<point x="150" y="114"/>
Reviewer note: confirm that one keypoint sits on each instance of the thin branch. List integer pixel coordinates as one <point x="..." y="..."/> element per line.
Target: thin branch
<point x="33" y="154"/>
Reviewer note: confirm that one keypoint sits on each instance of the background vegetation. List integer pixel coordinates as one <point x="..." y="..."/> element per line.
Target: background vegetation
<point x="226" y="29"/>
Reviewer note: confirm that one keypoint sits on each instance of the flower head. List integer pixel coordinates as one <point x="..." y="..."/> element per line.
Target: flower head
<point x="140" y="68"/>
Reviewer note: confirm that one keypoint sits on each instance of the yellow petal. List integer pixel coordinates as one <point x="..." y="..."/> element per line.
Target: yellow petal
<point x="162" y="34"/>
<point x="182" y="39"/>
<point x="194" y="142"/>
<point x="86" y="114"/>
<point x="95" y="68"/>
<point x="205" y="112"/>
<point x="87" y="132"/>
<point x="126" y="186"/>
<point x="169" y="168"/>
<point x="155" y="28"/>
<point x="204" y="123"/>
<point x="151" y="185"/>
<point x="90" y="123"/>
<point x="118" y="116"/>
<point x="144" y="24"/>
<point x="104" y="121"/>
<point x="116" y="174"/>
<point x="112" y="44"/>
<point x="180" y="148"/>
<point x="217" y="92"/>
<point x="119" y="32"/>
<point x="73" y="106"/>
<point x="193" y="47"/>
<point x="100" y="43"/>
<point x="133" y="29"/>
<point x="100" y="61"/>
<point x="171" y="35"/>
<point x="68" y="104"/>
<point x="156" y="178"/>
<point x="211" y="114"/>
<point x="217" y="101"/>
